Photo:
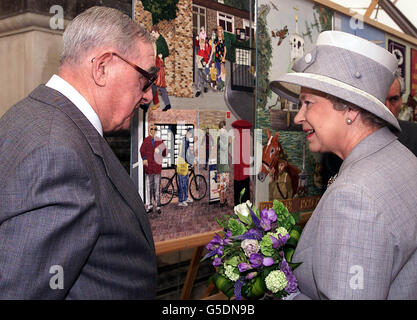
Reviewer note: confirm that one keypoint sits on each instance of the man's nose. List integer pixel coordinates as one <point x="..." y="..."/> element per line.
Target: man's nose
<point x="147" y="96"/>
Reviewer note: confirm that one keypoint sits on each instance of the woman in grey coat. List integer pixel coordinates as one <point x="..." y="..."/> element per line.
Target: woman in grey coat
<point x="361" y="240"/>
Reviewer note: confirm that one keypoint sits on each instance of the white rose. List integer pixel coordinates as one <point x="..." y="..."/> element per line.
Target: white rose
<point x="250" y="246"/>
<point x="242" y="211"/>
<point x="243" y="208"/>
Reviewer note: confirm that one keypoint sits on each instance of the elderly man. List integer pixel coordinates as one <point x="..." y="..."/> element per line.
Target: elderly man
<point x="408" y="135"/>
<point x="72" y="225"/>
<point x="394" y="100"/>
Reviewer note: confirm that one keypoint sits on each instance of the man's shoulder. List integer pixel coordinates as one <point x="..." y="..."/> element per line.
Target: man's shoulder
<point x="147" y="139"/>
<point x="408" y="135"/>
<point x="146" y="143"/>
<point x="408" y="125"/>
<point x="24" y="112"/>
<point x="158" y="141"/>
<point x="34" y="122"/>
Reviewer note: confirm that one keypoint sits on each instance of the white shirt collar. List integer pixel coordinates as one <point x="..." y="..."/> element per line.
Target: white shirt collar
<point x="59" y="84"/>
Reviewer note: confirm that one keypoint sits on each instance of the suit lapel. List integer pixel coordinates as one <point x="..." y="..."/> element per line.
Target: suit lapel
<point x="114" y="170"/>
<point x="124" y="184"/>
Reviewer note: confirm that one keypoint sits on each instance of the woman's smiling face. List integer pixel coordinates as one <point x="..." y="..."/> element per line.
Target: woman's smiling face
<point x="325" y="126"/>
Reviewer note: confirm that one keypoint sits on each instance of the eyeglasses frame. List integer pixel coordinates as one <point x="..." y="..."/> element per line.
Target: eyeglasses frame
<point x="150" y="77"/>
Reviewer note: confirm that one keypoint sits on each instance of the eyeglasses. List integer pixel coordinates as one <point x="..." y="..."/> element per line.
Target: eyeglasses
<point x="393" y="99"/>
<point x="149" y="76"/>
<point x="153" y="129"/>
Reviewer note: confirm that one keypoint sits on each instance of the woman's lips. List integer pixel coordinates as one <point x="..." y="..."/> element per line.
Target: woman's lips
<point x="309" y="132"/>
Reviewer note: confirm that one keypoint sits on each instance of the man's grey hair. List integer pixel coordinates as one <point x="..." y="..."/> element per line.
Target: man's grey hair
<point x="99" y="27"/>
<point x="401" y="80"/>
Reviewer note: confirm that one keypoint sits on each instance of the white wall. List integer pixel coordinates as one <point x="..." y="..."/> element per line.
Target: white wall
<point x="29" y="55"/>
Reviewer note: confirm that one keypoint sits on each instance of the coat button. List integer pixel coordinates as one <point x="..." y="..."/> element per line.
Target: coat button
<point x="358" y="74"/>
<point x="308" y="57"/>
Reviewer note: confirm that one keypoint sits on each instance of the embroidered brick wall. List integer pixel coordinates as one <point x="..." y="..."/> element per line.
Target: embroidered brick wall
<point x="143" y="17"/>
<point x="174" y="116"/>
<point x="179" y="37"/>
<point x="211" y="20"/>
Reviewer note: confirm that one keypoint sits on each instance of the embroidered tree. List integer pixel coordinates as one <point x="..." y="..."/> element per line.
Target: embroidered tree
<point x="161" y="10"/>
<point x="264" y="53"/>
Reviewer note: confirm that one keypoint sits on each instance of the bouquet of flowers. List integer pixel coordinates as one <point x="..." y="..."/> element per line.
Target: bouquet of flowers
<point x="253" y="255"/>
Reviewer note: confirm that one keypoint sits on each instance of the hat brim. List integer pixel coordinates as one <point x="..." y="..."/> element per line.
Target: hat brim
<point x="289" y="86"/>
<point x="287" y="91"/>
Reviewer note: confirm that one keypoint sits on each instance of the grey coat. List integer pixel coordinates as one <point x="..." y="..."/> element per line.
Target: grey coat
<point x="361" y="241"/>
<point x="66" y="201"/>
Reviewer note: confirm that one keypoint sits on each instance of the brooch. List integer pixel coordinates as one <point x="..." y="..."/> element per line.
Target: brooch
<point x="331" y="180"/>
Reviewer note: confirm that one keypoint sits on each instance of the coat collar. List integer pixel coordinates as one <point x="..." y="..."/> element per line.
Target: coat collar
<point x="56" y="99"/>
<point x="114" y="169"/>
<point x="371" y="144"/>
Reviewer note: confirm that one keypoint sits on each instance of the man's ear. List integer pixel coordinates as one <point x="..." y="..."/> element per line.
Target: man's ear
<point x="100" y="68"/>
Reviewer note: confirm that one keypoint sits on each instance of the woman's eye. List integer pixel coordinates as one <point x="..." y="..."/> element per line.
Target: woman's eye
<point x="307" y="103"/>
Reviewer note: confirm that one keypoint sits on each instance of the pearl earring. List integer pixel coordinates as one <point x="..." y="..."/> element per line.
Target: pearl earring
<point x="348" y="121"/>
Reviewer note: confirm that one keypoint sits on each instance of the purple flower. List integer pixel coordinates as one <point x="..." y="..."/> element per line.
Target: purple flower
<point x="219" y="251"/>
<point x="251" y="275"/>
<point x="238" y="289"/>
<point x="244" y="267"/>
<point x="282" y="240"/>
<point x="210" y="254"/>
<point x="251" y="234"/>
<point x="267" y="217"/>
<point x="215" y="246"/>
<point x="267" y="261"/>
<point x="255" y="234"/>
<point x="216" y="239"/>
<point x="255" y="219"/>
<point x="213" y="243"/>
<point x="266" y="224"/>
<point x="270" y="214"/>
<point x="217" y="262"/>
<point x="256" y="260"/>
<point x="292" y="281"/>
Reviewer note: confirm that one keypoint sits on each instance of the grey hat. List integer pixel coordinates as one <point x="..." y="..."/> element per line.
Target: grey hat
<point x="345" y="66"/>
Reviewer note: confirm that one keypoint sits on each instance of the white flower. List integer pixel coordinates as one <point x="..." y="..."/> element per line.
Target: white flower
<point x="242" y="211"/>
<point x="276" y="281"/>
<point x="243" y="208"/>
<point x="250" y="246"/>
<point x="282" y="231"/>
<point x="231" y="272"/>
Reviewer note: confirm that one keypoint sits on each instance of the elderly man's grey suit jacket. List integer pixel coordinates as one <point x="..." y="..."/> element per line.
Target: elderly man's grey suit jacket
<point x="361" y="240"/>
<point x="68" y="207"/>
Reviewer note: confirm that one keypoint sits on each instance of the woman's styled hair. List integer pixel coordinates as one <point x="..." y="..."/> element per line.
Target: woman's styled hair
<point x="100" y="27"/>
<point x="222" y="124"/>
<point x="367" y="117"/>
